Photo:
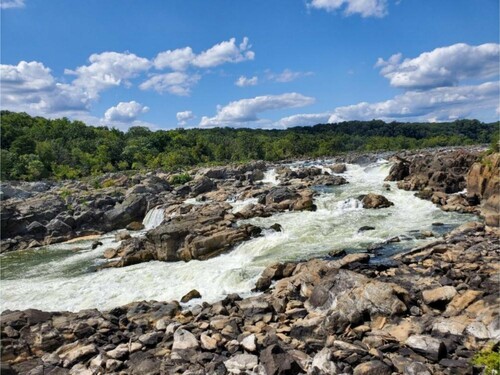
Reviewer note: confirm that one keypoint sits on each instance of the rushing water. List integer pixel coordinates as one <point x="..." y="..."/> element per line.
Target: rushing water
<point x="64" y="276"/>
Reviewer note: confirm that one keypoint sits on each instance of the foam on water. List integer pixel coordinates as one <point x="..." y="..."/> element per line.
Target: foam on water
<point x="270" y="177"/>
<point x="59" y="277"/>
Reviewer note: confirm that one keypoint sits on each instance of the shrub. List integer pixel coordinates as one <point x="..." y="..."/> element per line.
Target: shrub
<point x="179" y="179"/>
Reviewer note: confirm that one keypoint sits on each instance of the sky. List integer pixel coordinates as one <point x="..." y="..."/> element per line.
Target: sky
<point x="250" y="63"/>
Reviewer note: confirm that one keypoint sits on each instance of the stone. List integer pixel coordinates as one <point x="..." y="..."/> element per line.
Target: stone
<point x="375" y="201"/>
<point x="430" y="347"/>
<point x="184" y="340"/>
<point x="461" y="301"/>
<point x="322" y="364"/>
<point x="416" y="368"/>
<point x="372" y="368"/>
<point x="338" y="168"/>
<point x="241" y="363"/>
<point x="249" y="343"/>
<point x="207" y="342"/>
<point x="75" y="352"/>
<point x="190" y="295"/>
<point x="150" y="338"/>
<point x="442" y="294"/>
<point x="478" y="330"/>
<point x="120" y="352"/>
<point x="133" y="208"/>
<point x="276" y="361"/>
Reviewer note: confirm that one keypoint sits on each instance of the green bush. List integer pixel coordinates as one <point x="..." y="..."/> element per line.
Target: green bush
<point x="489" y="358"/>
<point x="179" y="179"/>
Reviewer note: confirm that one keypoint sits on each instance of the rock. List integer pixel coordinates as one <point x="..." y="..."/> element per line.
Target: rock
<point x="191" y="295"/>
<point x="276" y="227"/>
<point x="372" y="368"/>
<point x="150" y="338"/>
<point x="57" y="228"/>
<point x="365" y="228"/>
<point x="322" y="363"/>
<point x="375" y="201"/>
<point x="440" y="295"/>
<point x="75" y="352"/>
<point x="428" y="346"/>
<point x="207" y="342"/>
<point x="416" y="368"/>
<point x="121" y="236"/>
<point x="241" y="363"/>
<point x="338" y="168"/>
<point x="110" y="253"/>
<point x="461" y="301"/>
<point x="279" y="194"/>
<point x="36" y="229"/>
<point x="202" y="185"/>
<point x="133" y="208"/>
<point x="183" y="340"/>
<point x="96" y="244"/>
<point x="276" y="361"/>
<point x="248" y="343"/>
<point x="120" y="352"/>
<point x="399" y="171"/>
<point x="135" y="226"/>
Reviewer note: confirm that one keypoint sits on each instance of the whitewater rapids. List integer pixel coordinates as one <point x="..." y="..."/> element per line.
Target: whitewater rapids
<point x="64" y="277"/>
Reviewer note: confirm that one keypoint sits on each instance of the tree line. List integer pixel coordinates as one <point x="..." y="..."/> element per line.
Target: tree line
<point x="34" y="148"/>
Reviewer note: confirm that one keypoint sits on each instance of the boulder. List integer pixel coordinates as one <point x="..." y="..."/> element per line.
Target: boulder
<point x="280" y="194"/>
<point x="430" y="347"/>
<point x="375" y="201"/>
<point x="372" y="368"/>
<point x="202" y="185"/>
<point x="133" y="208"/>
<point x="184" y="340"/>
<point x="440" y="295"/>
<point x="338" y="168"/>
<point x="190" y="295"/>
<point x="58" y="228"/>
<point x="241" y="363"/>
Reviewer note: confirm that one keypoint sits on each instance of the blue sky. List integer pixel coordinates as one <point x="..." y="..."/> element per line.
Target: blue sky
<point x="259" y="63"/>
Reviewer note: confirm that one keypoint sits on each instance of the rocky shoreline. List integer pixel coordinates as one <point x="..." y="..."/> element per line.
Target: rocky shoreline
<point x="425" y="312"/>
<point x="428" y="311"/>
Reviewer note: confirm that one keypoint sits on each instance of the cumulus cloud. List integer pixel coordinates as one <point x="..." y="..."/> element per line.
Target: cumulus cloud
<point x="247" y="110"/>
<point x="307" y="119"/>
<point x="286" y="75"/>
<point x="245" y="81"/>
<point x="108" y="69"/>
<point x="445" y="66"/>
<point x="365" y="8"/>
<point x="177" y="83"/>
<point x="225" y="52"/>
<point x="177" y="59"/>
<point x="442" y="103"/>
<point x="125" y="112"/>
<point x="184" y="116"/>
<point x="221" y="53"/>
<point x="30" y="86"/>
<point x="9" y="4"/>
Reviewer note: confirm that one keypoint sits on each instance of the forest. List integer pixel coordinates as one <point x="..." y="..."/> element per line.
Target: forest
<point x="34" y="148"/>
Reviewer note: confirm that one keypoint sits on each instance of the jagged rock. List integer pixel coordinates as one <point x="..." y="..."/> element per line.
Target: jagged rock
<point x="428" y="346"/>
<point x="276" y="361"/>
<point x="133" y="208"/>
<point x="202" y="185"/>
<point x="322" y="363"/>
<point x="74" y="352"/>
<point x="248" y="343"/>
<point x="376" y="201"/>
<point x="207" y="342"/>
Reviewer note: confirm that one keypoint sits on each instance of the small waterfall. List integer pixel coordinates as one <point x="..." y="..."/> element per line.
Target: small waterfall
<point x="270" y="177"/>
<point x="153" y="218"/>
<point x="350" y="204"/>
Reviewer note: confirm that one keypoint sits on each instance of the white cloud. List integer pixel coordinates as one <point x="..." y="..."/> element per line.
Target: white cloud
<point x="365" y="8"/>
<point x="9" y="4"/>
<point x="108" y="69"/>
<point x="443" y="103"/>
<point x="245" y="81"/>
<point x="308" y="119"/>
<point x="30" y="87"/>
<point x="246" y="110"/>
<point x="177" y="59"/>
<point x="224" y="52"/>
<point x="286" y="75"/>
<point x="445" y="66"/>
<point x="177" y="83"/>
<point x="125" y="112"/>
<point x="184" y="116"/>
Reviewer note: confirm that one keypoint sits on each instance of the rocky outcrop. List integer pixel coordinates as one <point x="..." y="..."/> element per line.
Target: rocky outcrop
<point x="483" y="183"/>
<point x="425" y="312"/>
<point x="443" y="171"/>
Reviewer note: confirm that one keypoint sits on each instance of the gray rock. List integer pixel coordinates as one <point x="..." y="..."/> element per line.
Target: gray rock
<point x="428" y="346"/>
<point x="184" y="339"/>
<point x="241" y="363"/>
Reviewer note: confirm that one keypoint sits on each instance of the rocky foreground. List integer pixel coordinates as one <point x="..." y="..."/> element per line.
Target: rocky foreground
<point x="426" y="312"/>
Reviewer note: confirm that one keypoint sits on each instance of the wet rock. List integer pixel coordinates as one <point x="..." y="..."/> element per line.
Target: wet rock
<point x="375" y="201"/>
<point x="135" y="226"/>
<point x="190" y="295"/>
<point x="96" y="244"/>
<point x="365" y="228"/>
<point x="338" y="168"/>
<point x="133" y="208"/>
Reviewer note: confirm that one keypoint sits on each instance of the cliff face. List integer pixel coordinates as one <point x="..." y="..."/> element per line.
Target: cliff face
<point x="483" y="181"/>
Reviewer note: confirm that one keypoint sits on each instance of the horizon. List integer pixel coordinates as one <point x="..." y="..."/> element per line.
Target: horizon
<point x="253" y="65"/>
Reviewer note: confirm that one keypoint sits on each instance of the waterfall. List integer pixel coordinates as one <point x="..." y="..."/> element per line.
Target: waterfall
<point x="270" y="177"/>
<point x="153" y="218"/>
